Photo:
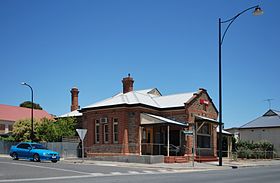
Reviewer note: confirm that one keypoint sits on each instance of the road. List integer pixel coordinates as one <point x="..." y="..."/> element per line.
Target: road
<point x="27" y="171"/>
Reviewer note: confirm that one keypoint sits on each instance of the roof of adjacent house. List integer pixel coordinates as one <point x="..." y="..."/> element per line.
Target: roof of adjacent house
<point x="223" y="131"/>
<point x="149" y="97"/>
<point x="71" y="114"/>
<point x="270" y="119"/>
<point x="14" y="113"/>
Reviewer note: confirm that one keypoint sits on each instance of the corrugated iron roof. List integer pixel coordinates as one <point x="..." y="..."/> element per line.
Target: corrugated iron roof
<point x="223" y="131"/>
<point x="145" y="97"/>
<point x="149" y="97"/>
<point x="14" y="113"/>
<point x="154" y="119"/>
<point x="270" y="119"/>
<point x="206" y="119"/>
<point x="71" y="114"/>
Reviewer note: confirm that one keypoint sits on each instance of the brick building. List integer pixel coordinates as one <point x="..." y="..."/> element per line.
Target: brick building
<point x="144" y="122"/>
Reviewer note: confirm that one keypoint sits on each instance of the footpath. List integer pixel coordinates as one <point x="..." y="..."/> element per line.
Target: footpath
<point x="190" y="166"/>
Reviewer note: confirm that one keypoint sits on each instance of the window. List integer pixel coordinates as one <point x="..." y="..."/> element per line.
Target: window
<point x="115" y="130"/>
<point x="203" y="141"/>
<point x="38" y="146"/>
<point x="204" y="135"/>
<point x="10" y="127"/>
<point x="97" y="131"/>
<point x="2" y="127"/>
<point x="205" y="129"/>
<point x="104" y="120"/>
<point x="24" y="146"/>
<point x="106" y="133"/>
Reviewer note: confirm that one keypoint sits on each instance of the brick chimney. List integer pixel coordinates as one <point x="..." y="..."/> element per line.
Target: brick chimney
<point x="127" y="84"/>
<point x="74" y="96"/>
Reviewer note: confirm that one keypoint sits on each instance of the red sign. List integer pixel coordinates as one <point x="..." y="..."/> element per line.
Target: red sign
<point x="203" y="101"/>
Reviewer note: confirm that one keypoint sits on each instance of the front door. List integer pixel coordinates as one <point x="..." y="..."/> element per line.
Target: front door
<point x="149" y="140"/>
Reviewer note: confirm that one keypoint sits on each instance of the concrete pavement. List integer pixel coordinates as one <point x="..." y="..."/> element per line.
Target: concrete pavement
<point x="227" y="164"/>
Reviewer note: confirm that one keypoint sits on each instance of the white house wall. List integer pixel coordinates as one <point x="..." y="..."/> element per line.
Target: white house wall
<point x="258" y="134"/>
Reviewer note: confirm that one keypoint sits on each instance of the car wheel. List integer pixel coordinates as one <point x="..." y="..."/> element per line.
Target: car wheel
<point x="15" y="156"/>
<point x="36" y="158"/>
<point x="54" y="161"/>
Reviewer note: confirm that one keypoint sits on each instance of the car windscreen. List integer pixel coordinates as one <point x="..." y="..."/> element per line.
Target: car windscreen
<point x="38" y="146"/>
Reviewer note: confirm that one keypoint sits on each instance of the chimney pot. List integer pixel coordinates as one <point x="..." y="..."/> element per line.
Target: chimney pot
<point x="74" y="99"/>
<point x="127" y="84"/>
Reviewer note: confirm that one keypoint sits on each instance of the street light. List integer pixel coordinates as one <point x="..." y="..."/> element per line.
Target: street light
<point x="32" y="129"/>
<point x="256" y="12"/>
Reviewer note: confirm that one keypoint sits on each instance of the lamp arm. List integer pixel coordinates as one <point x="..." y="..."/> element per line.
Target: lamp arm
<point x="231" y="20"/>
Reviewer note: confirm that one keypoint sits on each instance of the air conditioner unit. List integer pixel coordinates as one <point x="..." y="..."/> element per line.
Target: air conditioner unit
<point x="104" y="120"/>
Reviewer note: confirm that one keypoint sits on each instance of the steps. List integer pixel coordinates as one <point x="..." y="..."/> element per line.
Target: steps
<point x="201" y="159"/>
<point x="176" y="159"/>
<point x="185" y="159"/>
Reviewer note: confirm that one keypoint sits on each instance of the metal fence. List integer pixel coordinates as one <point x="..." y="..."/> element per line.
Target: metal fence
<point x="160" y="149"/>
<point x="253" y="155"/>
<point x="65" y="149"/>
<point x="5" y="146"/>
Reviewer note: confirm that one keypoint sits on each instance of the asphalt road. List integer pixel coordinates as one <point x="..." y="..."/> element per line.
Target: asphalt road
<point x="27" y="171"/>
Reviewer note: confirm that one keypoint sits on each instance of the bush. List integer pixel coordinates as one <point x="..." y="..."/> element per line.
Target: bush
<point x="261" y="149"/>
<point x="8" y="139"/>
<point x="244" y="152"/>
<point x="45" y="130"/>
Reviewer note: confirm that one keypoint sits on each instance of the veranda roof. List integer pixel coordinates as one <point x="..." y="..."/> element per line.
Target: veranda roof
<point x="203" y="118"/>
<point x="151" y="119"/>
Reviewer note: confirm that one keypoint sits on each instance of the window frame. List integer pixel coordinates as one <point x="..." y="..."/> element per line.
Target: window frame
<point x="97" y="135"/>
<point x="202" y="135"/>
<point x="116" y="132"/>
<point x="24" y="146"/>
<point x="106" y="133"/>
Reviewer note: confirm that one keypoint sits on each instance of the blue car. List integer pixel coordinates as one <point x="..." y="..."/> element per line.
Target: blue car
<point x="33" y="151"/>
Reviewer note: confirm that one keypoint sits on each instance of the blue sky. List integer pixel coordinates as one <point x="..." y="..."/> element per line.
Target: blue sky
<point x="168" y="44"/>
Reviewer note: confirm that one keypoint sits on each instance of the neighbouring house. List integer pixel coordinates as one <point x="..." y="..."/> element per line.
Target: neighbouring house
<point x="235" y="132"/>
<point x="145" y="122"/>
<point x="263" y="128"/>
<point x="10" y="114"/>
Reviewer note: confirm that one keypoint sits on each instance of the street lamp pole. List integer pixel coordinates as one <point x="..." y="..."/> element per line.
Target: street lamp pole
<point x="32" y="107"/>
<point x="256" y="12"/>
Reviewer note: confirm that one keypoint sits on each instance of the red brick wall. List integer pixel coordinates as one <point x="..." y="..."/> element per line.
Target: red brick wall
<point x="196" y="108"/>
<point x="129" y="121"/>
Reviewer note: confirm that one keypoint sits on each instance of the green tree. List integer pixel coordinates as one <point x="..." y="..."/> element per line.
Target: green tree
<point x="66" y="127"/>
<point x="28" y="104"/>
<point x="50" y="130"/>
<point x="46" y="130"/>
<point x="22" y="129"/>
